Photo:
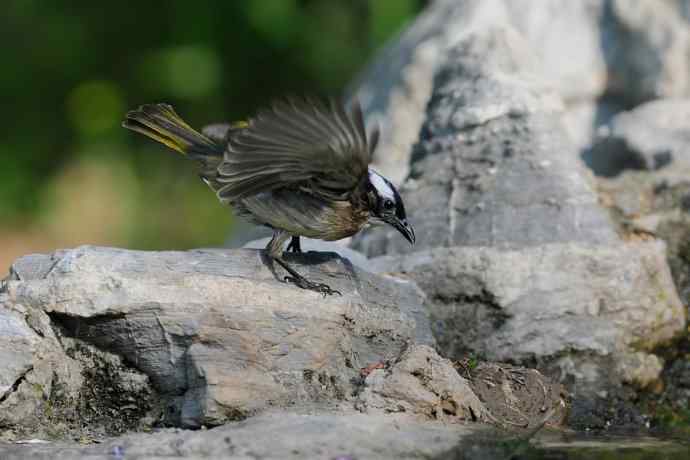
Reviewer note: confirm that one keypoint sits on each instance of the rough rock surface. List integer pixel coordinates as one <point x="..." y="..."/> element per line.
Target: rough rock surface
<point x="628" y="50"/>
<point x="217" y="334"/>
<point x="30" y="360"/>
<point x="579" y="308"/>
<point x="647" y="48"/>
<point x="493" y="164"/>
<point x="421" y="382"/>
<point x="16" y="350"/>
<point x="424" y="383"/>
<point x="653" y="197"/>
<point x="397" y="86"/>
<point x="276" y="436"/>
<point x="519" y="259"/>
<point x="100" y="341"/>
<point x="55" y="387"/>
<point x="650" y="137"/>
<point x="655" y="203"/>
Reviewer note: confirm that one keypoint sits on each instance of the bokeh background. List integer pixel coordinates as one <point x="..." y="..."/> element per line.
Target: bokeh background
<point x="71" y="175"/>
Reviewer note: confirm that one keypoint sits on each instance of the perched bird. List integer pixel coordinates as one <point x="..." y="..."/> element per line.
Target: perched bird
<point x="300" y="167"/>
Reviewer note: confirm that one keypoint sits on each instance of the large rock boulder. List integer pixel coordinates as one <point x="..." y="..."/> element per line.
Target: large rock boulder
<point x="649" y="137"/>
<point x="519" y="260"/>
<point x="217" y="334"/>
<point x="493" y="164"/>
<point x="589" y="313"/>
<point x="397" y="86"/>
<point x="101" y="341"/>
<point x="600" y="56"/>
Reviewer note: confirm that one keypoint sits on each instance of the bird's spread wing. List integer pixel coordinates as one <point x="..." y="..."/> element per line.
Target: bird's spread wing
<point x="316" y="145"/>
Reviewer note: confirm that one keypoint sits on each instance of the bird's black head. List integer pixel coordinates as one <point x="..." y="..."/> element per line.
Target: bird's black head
<point x="387" y="206"/>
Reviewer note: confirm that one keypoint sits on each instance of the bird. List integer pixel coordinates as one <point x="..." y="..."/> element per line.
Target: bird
<point x="300" y="167"/>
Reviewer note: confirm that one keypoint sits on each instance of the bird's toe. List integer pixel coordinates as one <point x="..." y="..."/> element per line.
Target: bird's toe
<point x="304" y="283"/>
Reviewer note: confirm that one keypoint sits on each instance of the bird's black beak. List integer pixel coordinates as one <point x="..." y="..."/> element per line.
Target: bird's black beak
<point x="403" y="227"/>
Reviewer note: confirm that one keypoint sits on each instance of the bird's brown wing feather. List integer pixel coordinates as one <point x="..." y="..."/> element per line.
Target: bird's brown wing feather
<point x="297" y="143"/>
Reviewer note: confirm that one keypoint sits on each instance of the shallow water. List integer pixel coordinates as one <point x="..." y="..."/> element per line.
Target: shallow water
<point x="608" y="448"/>
<point x="560" y="446"/>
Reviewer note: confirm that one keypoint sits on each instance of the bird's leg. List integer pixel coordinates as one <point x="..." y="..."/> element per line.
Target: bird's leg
<point x="274" y="250"/>
<point x="294" y="245"/>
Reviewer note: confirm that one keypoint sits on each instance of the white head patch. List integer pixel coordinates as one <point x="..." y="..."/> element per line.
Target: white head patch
<point x="382" y="186"/>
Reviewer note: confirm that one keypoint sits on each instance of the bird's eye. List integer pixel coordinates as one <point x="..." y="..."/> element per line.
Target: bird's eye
<point x="388" y="204"/>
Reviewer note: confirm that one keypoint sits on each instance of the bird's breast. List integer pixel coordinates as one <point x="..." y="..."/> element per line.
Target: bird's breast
<point x="303" y="214"/>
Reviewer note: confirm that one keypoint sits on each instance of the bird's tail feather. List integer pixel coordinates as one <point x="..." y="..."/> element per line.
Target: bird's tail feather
<point x="162" y="124"/>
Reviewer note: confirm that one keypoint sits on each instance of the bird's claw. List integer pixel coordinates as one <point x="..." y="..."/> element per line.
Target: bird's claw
<point x="310" y="285"/>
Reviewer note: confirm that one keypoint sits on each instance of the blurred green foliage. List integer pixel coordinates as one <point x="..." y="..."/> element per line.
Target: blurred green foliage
<point x="71" y="68"/>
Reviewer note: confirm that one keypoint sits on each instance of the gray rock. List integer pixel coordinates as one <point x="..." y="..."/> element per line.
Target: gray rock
<point x="217" y="334"/>
<point x="647" y="48"/>
<point x="112" y="341"/>
<point x="16" y="354"/>
<point x="655" y="203"/>
<point x="652" y="136"/>
<point x="423" y="383"/>
<point x="32" y="363"/>
<point x="592" y="312"/>
<point x="493" y="165"/>
<point x="495" y="182"/>
<point x="276" y="436"/>
<point x="628" y="50"/>
<point x="566" y="38"/>
<point x="116" y="340"/>
<point x="397" y="86"/>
